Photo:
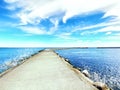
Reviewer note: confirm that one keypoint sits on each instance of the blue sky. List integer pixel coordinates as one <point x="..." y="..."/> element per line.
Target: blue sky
<point x="59" y="23"/>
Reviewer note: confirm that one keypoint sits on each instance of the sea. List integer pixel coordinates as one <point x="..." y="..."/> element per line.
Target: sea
<point x="11" y="57"/>
<point x="103" y="64"/>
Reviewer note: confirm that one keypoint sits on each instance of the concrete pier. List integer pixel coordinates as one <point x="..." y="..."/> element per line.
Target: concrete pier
<point x="44" y="71"/>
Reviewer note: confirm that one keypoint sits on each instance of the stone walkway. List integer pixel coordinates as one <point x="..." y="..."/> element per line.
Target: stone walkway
<point x="44" y="71"/>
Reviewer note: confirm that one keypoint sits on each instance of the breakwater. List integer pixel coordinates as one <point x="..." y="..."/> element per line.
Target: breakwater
<point x="45" y="71"/>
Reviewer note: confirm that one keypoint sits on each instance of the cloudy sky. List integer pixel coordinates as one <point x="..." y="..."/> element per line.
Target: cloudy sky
<point x="54" y="23"/>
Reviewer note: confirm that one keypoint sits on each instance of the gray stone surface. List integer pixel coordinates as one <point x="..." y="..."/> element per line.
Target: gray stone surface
<point x="44" y="71"/>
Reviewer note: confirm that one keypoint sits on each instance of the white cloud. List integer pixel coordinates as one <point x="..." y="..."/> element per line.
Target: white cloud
<point x="107" y="30"/>
<point x="114" y="28"/>
<point x="11" y="1"/>
<point x="75" y="7"/>
<point x="32" y="30"/>
<point x="33" y="9"/>
<point x="111" y="26"/>
<point x="37" y="30"/>
<point x="108" y="33"/>
<point x="104" y="24"/>
<point x="114" y="10"/>
<point x="65" y="36"/>
<point x="54" y="28"/>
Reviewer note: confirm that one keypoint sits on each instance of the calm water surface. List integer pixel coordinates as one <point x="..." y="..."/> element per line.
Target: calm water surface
<point x="103" y="64"/>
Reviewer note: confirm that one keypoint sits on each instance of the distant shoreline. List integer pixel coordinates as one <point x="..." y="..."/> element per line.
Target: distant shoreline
<point x="63" y="47"/>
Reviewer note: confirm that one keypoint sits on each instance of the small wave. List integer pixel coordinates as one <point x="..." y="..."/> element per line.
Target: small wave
<point x="15" y="57"/>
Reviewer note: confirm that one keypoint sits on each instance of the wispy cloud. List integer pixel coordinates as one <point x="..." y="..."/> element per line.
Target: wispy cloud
<point x="32" y="12"/>
<point x="107" y="29"/>
<point x="46" y="8"/>
<point x="110" y="28"/>
<point x="32" y="30"/>
<point x="65" y="36"/>
<point x="108" y="33"/>
<point x="36" y="30"/>
<point x="104" y="24"/>
<point x="58" y="18"/>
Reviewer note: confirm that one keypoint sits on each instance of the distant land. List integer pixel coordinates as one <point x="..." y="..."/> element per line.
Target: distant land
<point x="59" y="48"/>
<point x="55" y="48"/>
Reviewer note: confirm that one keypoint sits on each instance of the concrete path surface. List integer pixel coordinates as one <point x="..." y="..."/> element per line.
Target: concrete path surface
<point x="44" y="71"/>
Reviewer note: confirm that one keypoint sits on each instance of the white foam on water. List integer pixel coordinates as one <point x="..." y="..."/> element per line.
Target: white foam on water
<point x="16" y="56"/>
